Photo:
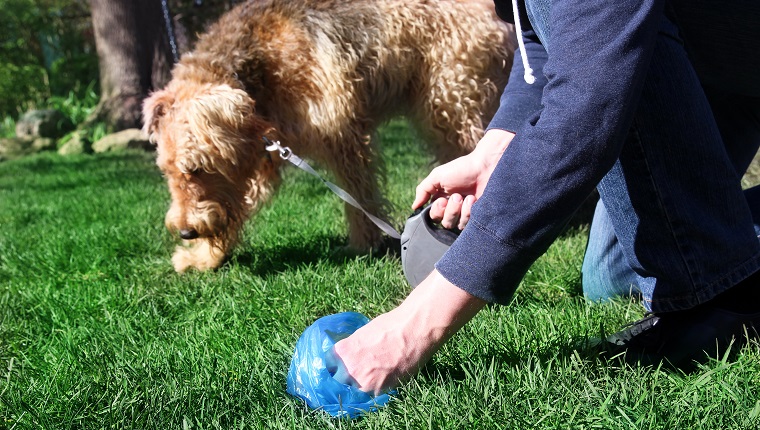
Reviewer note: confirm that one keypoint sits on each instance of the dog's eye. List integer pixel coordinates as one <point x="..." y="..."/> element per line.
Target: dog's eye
<point x="190" y="172"/>
<point x="189" y="167"/>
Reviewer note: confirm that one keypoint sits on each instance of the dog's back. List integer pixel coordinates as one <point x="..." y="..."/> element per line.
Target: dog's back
<point x="326" y="60"/>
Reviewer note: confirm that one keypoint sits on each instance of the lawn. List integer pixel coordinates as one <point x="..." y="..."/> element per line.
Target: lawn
<point x="98" y="331"/>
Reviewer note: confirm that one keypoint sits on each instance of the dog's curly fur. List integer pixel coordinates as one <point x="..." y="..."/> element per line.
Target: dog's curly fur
<point x="319" y="76"/>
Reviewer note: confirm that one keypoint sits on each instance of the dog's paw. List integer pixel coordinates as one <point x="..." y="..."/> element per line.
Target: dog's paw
<point x="201" y="255"/>
<point x="181" y="260"/>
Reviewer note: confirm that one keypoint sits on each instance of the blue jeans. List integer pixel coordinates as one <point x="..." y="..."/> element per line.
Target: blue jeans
<point x="672" y="207"/>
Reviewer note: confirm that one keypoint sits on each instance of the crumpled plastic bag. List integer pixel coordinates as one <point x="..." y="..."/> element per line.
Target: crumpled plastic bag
<point x="309" y="378"/>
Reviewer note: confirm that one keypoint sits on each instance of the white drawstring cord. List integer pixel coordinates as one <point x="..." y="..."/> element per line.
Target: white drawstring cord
<point x="528" y="76"/>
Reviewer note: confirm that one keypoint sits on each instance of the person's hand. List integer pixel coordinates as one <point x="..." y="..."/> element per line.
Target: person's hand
<point x="456" y="185"/>
<point x="393" y="346"/>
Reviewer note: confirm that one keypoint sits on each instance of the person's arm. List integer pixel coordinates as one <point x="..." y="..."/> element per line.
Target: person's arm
<point x="455" y="186"/>
<point x="393" y="346"/>
<point x="599" y="55"/>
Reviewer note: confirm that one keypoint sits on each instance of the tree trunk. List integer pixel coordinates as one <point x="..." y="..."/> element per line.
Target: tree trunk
<point x="135" y="57"/>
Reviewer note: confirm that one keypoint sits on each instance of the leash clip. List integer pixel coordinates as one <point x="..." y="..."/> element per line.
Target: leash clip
<point x="284" y="151"/>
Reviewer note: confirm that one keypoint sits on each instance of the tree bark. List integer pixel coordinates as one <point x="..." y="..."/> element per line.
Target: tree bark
<point x="135" y="53"/>
<point x="135" y="58"/>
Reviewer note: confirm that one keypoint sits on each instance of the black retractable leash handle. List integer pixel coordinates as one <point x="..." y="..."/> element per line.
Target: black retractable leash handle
<point x="423" y="243"/>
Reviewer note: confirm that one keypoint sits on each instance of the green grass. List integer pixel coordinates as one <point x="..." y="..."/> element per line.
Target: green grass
<point x="97" y="331"/>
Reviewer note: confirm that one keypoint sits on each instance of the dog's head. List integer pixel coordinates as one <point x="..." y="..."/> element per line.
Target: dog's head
<point x="210" y="149"/>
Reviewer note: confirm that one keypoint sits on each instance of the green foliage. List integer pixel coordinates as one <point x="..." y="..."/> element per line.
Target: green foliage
<point x="77" y="107"/>
<point x="46" y="50"/>
<point x="97" y="331"/>
<point x="78" y="104"/>
<point x="7" y="127"/>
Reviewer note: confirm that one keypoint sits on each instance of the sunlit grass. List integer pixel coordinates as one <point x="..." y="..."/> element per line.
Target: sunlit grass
<point x="97" y="331"/>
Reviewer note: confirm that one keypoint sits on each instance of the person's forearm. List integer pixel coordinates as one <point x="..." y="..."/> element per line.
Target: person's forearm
<point x="493" y="143"/>
<point x="439" y="309"/>
<point x="393" y="346"/>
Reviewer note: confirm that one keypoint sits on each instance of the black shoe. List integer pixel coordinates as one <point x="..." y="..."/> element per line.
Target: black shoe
<point x="682" y="339"/>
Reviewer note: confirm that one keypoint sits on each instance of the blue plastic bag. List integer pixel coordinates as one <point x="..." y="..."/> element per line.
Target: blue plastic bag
<point x="310" y="379"/>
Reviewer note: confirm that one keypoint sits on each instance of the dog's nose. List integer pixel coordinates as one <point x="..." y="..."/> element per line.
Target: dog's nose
<point x="188" y="234"/>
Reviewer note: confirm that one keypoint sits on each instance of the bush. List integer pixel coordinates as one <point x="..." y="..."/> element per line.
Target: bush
<point x="7" y="127"/>
<point x="46" y="51"/>
<point x="77" y="107"/>
<point x="78" y="104"/>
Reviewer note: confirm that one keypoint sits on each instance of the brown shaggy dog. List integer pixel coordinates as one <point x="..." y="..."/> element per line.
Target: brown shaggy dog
<point x="319" y="76"/>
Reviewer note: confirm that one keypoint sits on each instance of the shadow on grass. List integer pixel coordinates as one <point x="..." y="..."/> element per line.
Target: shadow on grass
<point x="585" y="352"/>
<point x="268" y="259"/>
<point x="562" y="351"/>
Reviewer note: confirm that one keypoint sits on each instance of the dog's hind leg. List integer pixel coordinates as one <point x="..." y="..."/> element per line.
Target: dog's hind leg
<point x="457" y="94"/>
<point x="452" y="111"/>
<point x="359" y="171"/>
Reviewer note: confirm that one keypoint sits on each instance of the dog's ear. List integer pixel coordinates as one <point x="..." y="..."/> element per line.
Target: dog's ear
<point x="225" y="129"/>
<point x="154" y="108"/>
<point x="224" y="106"/>
<point x="219" y="118"/>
